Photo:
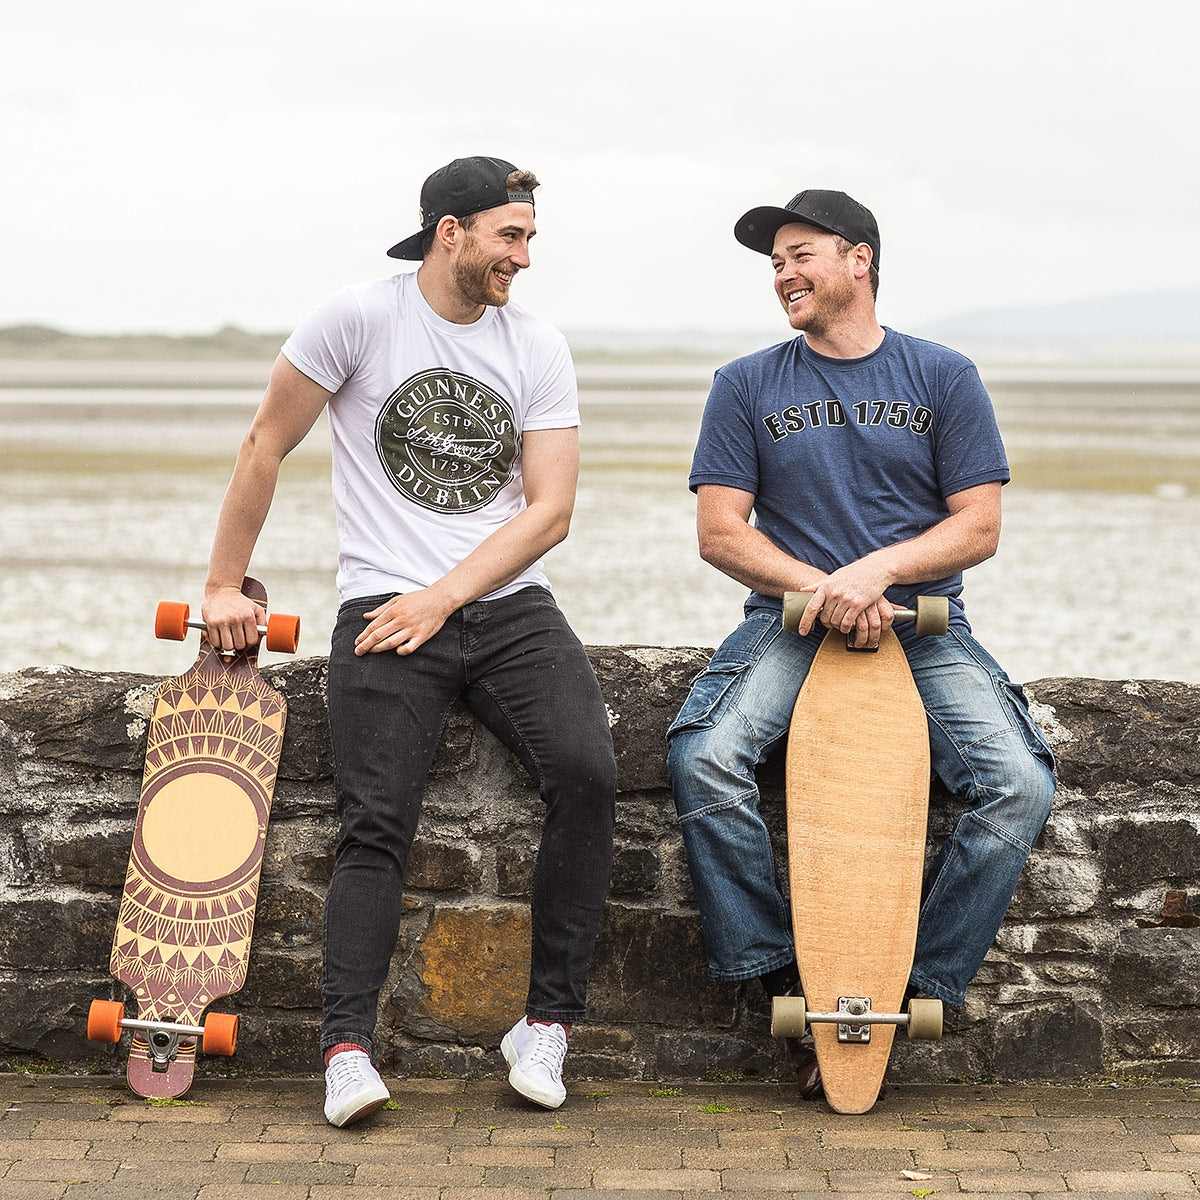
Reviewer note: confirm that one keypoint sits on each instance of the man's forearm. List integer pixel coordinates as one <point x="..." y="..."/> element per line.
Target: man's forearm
<point x="503" y="555"/>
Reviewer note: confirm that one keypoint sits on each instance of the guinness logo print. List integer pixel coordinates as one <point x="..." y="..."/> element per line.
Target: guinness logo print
<point x="448" y="442"/>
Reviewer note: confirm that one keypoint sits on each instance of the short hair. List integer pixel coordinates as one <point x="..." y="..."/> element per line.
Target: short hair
<point x="515" y="181"/>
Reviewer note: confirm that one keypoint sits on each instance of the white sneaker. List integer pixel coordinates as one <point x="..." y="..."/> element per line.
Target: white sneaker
<point x="353" y="1089"/>
<point x="535" y="1056"/>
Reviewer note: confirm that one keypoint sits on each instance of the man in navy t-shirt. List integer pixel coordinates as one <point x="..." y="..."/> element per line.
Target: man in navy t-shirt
<point x="864" y="466"/>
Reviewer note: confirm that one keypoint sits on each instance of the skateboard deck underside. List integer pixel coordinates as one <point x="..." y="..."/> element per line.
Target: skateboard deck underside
<point x="187" y="914"/>
<point x="857" y="801"/>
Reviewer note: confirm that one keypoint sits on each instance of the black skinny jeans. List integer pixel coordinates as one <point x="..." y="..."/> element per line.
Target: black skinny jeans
<point x="523" y="673"/>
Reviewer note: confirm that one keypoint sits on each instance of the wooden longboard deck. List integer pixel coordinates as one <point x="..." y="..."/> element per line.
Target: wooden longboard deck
<point x="857" y="801"/>
<point x="187" y="914"/>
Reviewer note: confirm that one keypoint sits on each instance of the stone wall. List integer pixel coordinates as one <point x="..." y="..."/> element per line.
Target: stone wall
<point x="1096" y="969"/>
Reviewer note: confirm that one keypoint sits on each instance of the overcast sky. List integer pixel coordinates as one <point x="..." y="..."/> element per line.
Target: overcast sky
<point x="180" y="166"/>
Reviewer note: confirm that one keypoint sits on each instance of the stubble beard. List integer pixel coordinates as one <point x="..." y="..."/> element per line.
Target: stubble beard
<point x="827" y="308"/>
<point x="472" y="275"/>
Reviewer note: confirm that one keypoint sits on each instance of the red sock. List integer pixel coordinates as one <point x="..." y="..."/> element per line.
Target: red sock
<point x="340" y="1047"/>
<point x="565" y="1024"/>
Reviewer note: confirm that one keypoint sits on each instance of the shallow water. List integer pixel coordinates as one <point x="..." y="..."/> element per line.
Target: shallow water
<point x="109" y="497"/>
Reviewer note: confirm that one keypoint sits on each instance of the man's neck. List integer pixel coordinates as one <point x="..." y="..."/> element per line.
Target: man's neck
<point x="850" y="340"/>
<point x="445" y="299"/>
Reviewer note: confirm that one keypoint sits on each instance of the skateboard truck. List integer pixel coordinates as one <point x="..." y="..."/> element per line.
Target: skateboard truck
<point x="218" y="1034"/>
<point x="163" y="1043"/>
<point x="790" y="1017"/>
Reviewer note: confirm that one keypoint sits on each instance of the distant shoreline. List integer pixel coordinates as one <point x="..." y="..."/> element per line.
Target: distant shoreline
<point x="42" y="356"/>
<point x="604" y="373"/>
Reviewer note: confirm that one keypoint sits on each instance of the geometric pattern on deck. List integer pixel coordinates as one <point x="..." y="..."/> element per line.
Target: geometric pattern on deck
<point x="180" y="944"/>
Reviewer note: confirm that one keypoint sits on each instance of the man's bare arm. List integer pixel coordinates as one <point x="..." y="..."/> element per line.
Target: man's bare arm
<point x="550" y="471"/>
<point x="852" y="596"/>
<point x="290" y="407"/>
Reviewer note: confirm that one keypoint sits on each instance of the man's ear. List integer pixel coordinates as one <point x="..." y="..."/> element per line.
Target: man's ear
<point x="448" y="232"/>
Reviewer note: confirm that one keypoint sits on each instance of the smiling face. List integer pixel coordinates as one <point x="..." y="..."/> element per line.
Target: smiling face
<point x="815" y="277"/>
<point x="493" y="248"/>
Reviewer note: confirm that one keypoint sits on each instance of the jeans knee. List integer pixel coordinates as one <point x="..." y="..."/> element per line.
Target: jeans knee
<point x="698" y="773"/>
<point x="583" y="777"/>
<point x="1021" y="805"/>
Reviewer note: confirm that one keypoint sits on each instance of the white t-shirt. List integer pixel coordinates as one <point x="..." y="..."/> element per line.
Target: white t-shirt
<point x="426" y="419"/>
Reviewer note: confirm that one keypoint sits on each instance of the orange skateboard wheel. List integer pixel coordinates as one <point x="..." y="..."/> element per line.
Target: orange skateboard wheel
<point x="220" y="1033"/>
<point x="170" y="620"/>
<point x="283" y="633"/>
<point x="104" y="1021"/>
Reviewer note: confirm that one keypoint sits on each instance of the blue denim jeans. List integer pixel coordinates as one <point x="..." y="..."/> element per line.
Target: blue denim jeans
<point x="983" y="744"/>
<point x="521" y="670"/>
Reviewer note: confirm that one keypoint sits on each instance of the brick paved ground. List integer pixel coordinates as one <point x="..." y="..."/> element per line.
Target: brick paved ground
<point x="448" y="1140"/>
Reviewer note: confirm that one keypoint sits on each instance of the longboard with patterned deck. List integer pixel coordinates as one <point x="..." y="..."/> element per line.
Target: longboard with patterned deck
<point x="187" y="913"/>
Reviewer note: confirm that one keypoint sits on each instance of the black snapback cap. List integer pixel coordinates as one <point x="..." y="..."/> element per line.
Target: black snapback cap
<point x="834" y="212"/>
<point x="460" y="188"/>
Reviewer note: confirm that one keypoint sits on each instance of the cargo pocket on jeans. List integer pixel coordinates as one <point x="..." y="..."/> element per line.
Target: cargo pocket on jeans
<point x="1029" y="729"/>
<point x="709" y="690"/>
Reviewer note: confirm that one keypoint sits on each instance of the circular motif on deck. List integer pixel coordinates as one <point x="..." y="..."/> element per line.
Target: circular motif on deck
<point x="200" y="827"/>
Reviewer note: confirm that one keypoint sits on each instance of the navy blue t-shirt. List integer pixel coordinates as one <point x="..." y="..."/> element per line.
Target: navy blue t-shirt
<point x="844" y="456"/>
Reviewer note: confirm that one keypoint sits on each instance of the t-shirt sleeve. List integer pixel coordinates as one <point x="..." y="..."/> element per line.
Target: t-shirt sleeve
<point x="969" y="450"/>
<point x="726" y="450"/>
<point x="327" y="344"/>
<point x="554" y="400"/>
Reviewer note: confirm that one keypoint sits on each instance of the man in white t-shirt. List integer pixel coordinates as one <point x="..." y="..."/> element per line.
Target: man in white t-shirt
<point x="454" y="421"/>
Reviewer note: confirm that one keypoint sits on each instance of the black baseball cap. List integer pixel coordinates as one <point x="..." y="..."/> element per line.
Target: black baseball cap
<point x="833" y="211"/>
<point x="460" y="188"/>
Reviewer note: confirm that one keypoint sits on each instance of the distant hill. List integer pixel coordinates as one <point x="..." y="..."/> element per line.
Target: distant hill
<point x="1146" y="325"/>
<point x="225" y="345"/>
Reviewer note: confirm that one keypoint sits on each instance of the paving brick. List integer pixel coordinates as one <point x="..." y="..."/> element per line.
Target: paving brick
<point x="871" y="1183"/>
<point x="60" y="1169"/>
<point x="1094" y="1158"/>
<point x="383" y="1174"/>
<point x="297" y="1173"/>
<point x="642" y="1158"/>
<point x="505" y="1156"/>
<point x="882" y="1139"/>
<point x="252" y="1152"/>
<point x="144" y="1153"/>
<point x="30" y="1189"/>
<point x="191" y="1113"/>
<point x="1029" y="1143"/>
<point x="341" y="1192"/>
<point x="1130" y="1181"/>
<point x="727" y="1157"/>
<point x="738" y="1180"/>
<point x="968" y="1160"/>
<point x="536" y="1177"/>
<point x="1011" y="1181"/>
<point x="253" y="1191"/>
<point x="628" y="1179"/>
<point x="1181" y="1161"/>
<point x="21" y="1148"/>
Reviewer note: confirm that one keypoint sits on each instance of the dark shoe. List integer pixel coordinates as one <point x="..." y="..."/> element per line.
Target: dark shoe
<point x="808" y="1073"/>
<point x="804" y="1060"/>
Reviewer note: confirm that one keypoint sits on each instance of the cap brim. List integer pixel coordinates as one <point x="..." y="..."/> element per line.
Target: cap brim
<point x="757" y="229"/>
<point x="410" y="248"/>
